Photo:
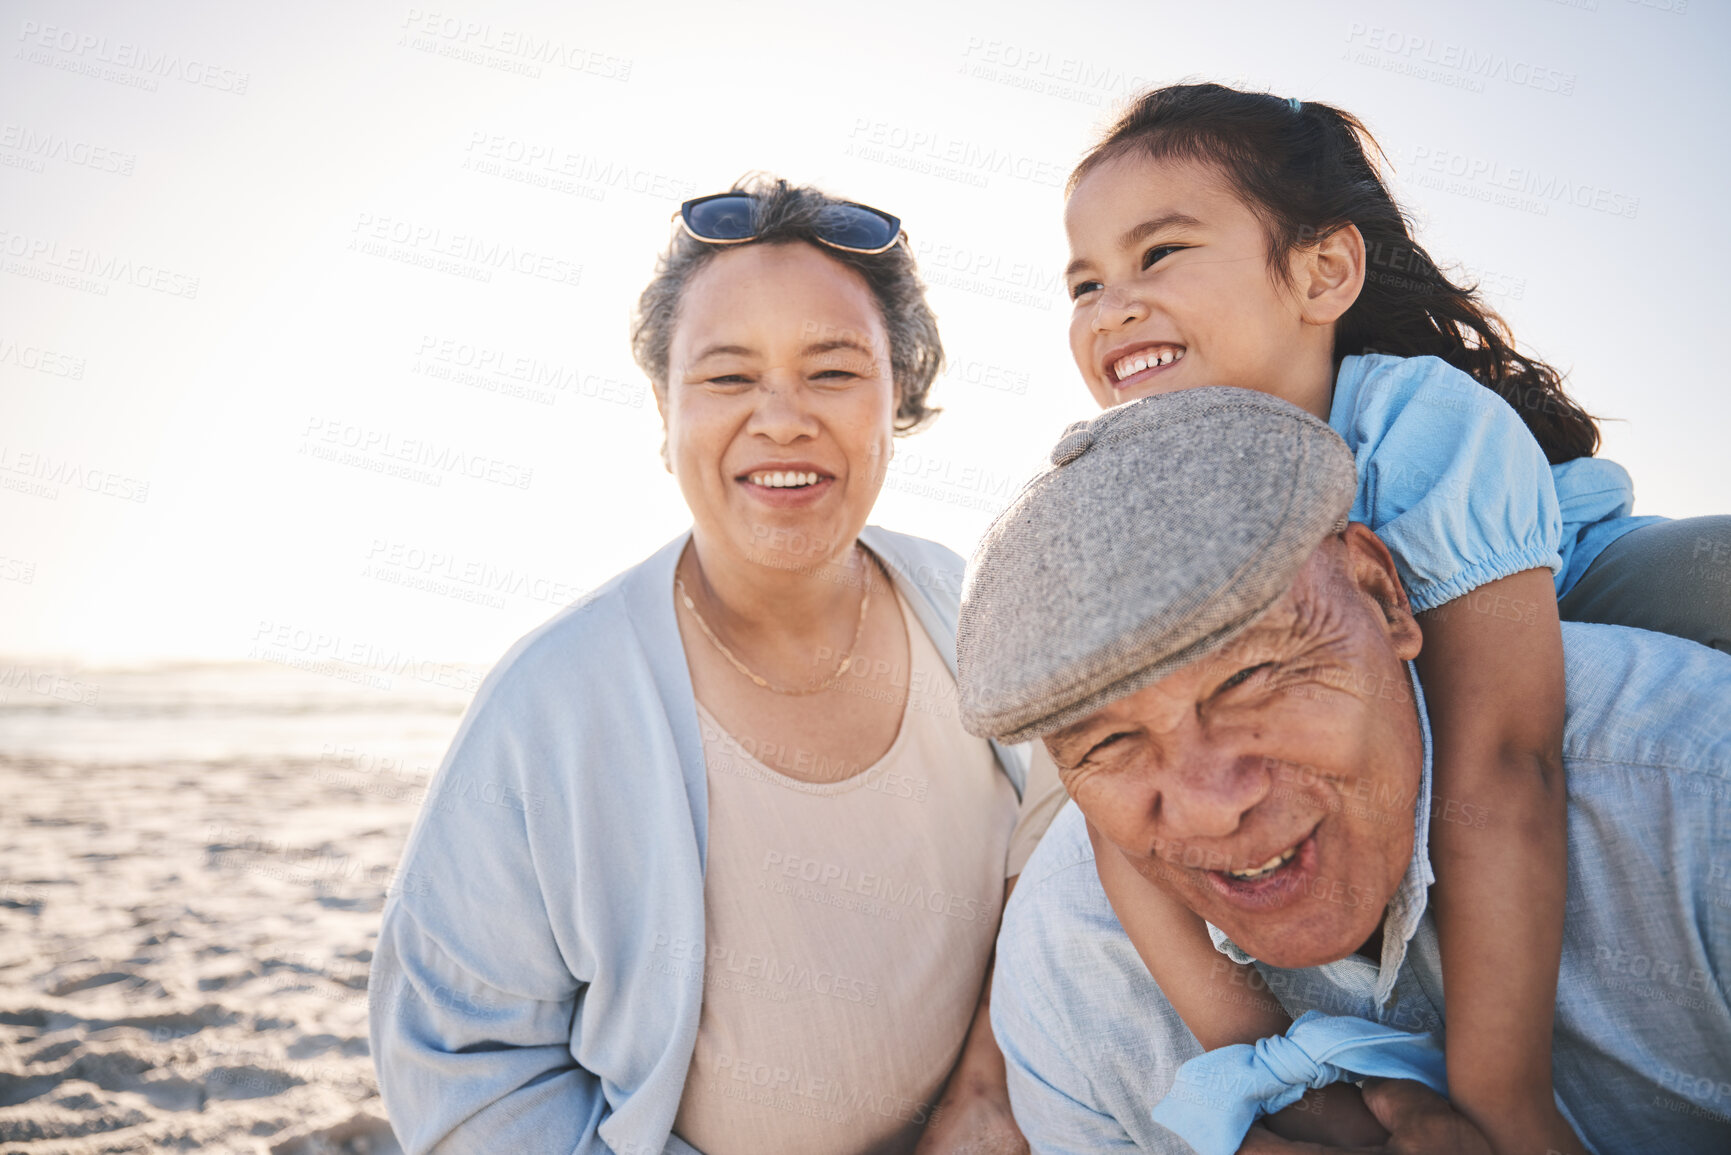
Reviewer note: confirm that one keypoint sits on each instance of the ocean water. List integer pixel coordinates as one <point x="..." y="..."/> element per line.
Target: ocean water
<point x="220" y="712"/>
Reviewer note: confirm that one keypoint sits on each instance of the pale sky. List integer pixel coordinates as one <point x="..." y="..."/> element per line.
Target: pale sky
<point x="258" y="261"/>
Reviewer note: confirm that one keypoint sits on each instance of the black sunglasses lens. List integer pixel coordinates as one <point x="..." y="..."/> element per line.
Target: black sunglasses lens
<point x="723" y="218"/>
<point x="857" y="227"/>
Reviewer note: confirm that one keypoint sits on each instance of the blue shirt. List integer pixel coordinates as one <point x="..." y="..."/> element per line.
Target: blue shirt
<point x="1453" y="482"/>
<point x="538" y="976"/>
<point x="1642" y="1045"/>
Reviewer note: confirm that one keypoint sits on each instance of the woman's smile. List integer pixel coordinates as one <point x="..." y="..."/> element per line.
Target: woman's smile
<point x="789" y="485"/>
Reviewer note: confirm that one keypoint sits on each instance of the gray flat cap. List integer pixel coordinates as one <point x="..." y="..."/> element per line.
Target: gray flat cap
<point x="1162" y="528"/>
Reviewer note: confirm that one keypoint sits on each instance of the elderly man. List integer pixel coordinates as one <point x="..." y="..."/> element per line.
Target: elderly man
<point x="1221" y="664"/>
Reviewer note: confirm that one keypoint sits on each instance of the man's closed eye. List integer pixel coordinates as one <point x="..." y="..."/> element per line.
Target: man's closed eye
<point x="1243" y="676"/>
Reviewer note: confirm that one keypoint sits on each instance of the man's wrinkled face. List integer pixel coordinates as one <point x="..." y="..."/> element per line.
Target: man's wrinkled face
<point x="1270" y="785"/>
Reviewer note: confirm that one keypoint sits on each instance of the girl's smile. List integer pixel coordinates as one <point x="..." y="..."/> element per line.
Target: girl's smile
<point x="1129" y="367"/>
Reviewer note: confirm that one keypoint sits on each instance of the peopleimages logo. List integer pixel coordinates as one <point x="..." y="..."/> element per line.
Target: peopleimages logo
<point x="48" y="684"/>
<point x="84" y="50"/>
<point x="1457" y="65"/>
<point x="548" y="160"/>
<point x="44" y="254"/>
<point x="466" y="254"/>
<point x="1048" y="73"/>
<point x="895" y="892"/>
<point x="41" y="146"/>
<point x="353" y="659"/>
<point x="43" y="473"/>
<point x="332" y="439"/>
<point x="509" y="49"/>
<point x="468" y="579"/>
<point x="1525" y="180"/>
<point x="880" y="139"/>
<point x="515" y="374"/>
<point x="41" y="360"/>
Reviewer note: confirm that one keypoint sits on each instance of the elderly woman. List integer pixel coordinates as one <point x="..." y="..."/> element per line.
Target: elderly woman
<point x="711" y="862"/>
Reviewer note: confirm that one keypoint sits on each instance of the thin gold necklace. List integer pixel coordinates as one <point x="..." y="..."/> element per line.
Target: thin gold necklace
<point x="841" y="667"/>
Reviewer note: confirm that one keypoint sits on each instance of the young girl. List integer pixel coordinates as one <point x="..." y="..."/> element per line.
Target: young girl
<point x="1222" y="237"/>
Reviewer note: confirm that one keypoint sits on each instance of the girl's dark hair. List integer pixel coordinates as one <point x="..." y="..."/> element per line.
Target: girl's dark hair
<point x="790" y="214"/>
<point x="1307" y="170"/>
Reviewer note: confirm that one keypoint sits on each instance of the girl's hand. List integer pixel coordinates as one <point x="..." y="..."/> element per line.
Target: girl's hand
<point x="973" y="1116"/>
<point x="1419" y="1122"/>
<point x="972" y="1124"/>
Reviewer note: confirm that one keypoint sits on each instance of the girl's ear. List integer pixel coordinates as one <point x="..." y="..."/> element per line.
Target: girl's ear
<point x="1329" y="275"/>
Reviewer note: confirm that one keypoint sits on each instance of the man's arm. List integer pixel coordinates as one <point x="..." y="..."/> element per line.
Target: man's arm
<point x="1048" y="1095"/>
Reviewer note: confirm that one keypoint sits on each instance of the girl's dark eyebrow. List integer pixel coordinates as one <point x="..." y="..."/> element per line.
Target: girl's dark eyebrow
<point x="1153" y="225"/>
<point x="1136" y="234"/>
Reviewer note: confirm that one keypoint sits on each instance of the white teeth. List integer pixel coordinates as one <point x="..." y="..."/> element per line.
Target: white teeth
<point x="1136" y="362"/>
<point x="780" y="479"/>
<point x="1272" y="864"/>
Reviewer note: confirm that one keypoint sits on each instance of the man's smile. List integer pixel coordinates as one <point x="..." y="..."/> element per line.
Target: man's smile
<point x="1283" y="878"/>
<point x="1278" y="860"/>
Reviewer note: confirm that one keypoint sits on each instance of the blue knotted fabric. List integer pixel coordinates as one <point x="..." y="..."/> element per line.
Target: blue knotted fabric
<point x="1217" y="1096"/>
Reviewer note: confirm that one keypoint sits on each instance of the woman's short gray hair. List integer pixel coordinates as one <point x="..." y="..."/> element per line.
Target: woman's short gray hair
<point x="788" y="214"/>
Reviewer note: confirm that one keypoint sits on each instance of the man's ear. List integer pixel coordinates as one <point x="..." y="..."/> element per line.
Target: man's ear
<point x="1329" y="275"/>
<point x="1371" y="568"/>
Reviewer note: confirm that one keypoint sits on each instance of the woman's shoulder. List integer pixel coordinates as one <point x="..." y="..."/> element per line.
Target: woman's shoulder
<point x="562" y="652"/>
<point x="928" y="566"/>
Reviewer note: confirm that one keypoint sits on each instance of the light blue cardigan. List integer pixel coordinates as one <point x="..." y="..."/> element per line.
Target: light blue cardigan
<point x="540" y="965"/>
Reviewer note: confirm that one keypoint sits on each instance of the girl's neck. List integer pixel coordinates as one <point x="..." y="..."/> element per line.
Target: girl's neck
<point x="1311" y="387"/>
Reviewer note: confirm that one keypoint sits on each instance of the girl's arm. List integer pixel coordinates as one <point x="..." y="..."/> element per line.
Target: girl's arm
<point x="1222" y="1002"/>
<point x="1492" y="669"/>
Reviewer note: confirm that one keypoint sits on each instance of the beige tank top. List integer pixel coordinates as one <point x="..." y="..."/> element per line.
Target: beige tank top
<point x="848" y="927"/>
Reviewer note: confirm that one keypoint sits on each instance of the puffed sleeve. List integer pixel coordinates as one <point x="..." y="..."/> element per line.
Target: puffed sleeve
<point x="1448" y="476"/>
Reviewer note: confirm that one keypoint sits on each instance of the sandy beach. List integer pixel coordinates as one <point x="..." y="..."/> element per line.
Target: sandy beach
<point x="193" y="861"/>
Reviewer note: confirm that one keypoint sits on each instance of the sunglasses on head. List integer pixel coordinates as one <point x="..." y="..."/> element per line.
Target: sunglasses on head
<point x="730" y="218"/>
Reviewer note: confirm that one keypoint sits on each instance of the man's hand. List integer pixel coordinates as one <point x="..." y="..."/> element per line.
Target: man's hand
<point x="1419" y="1122"/>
